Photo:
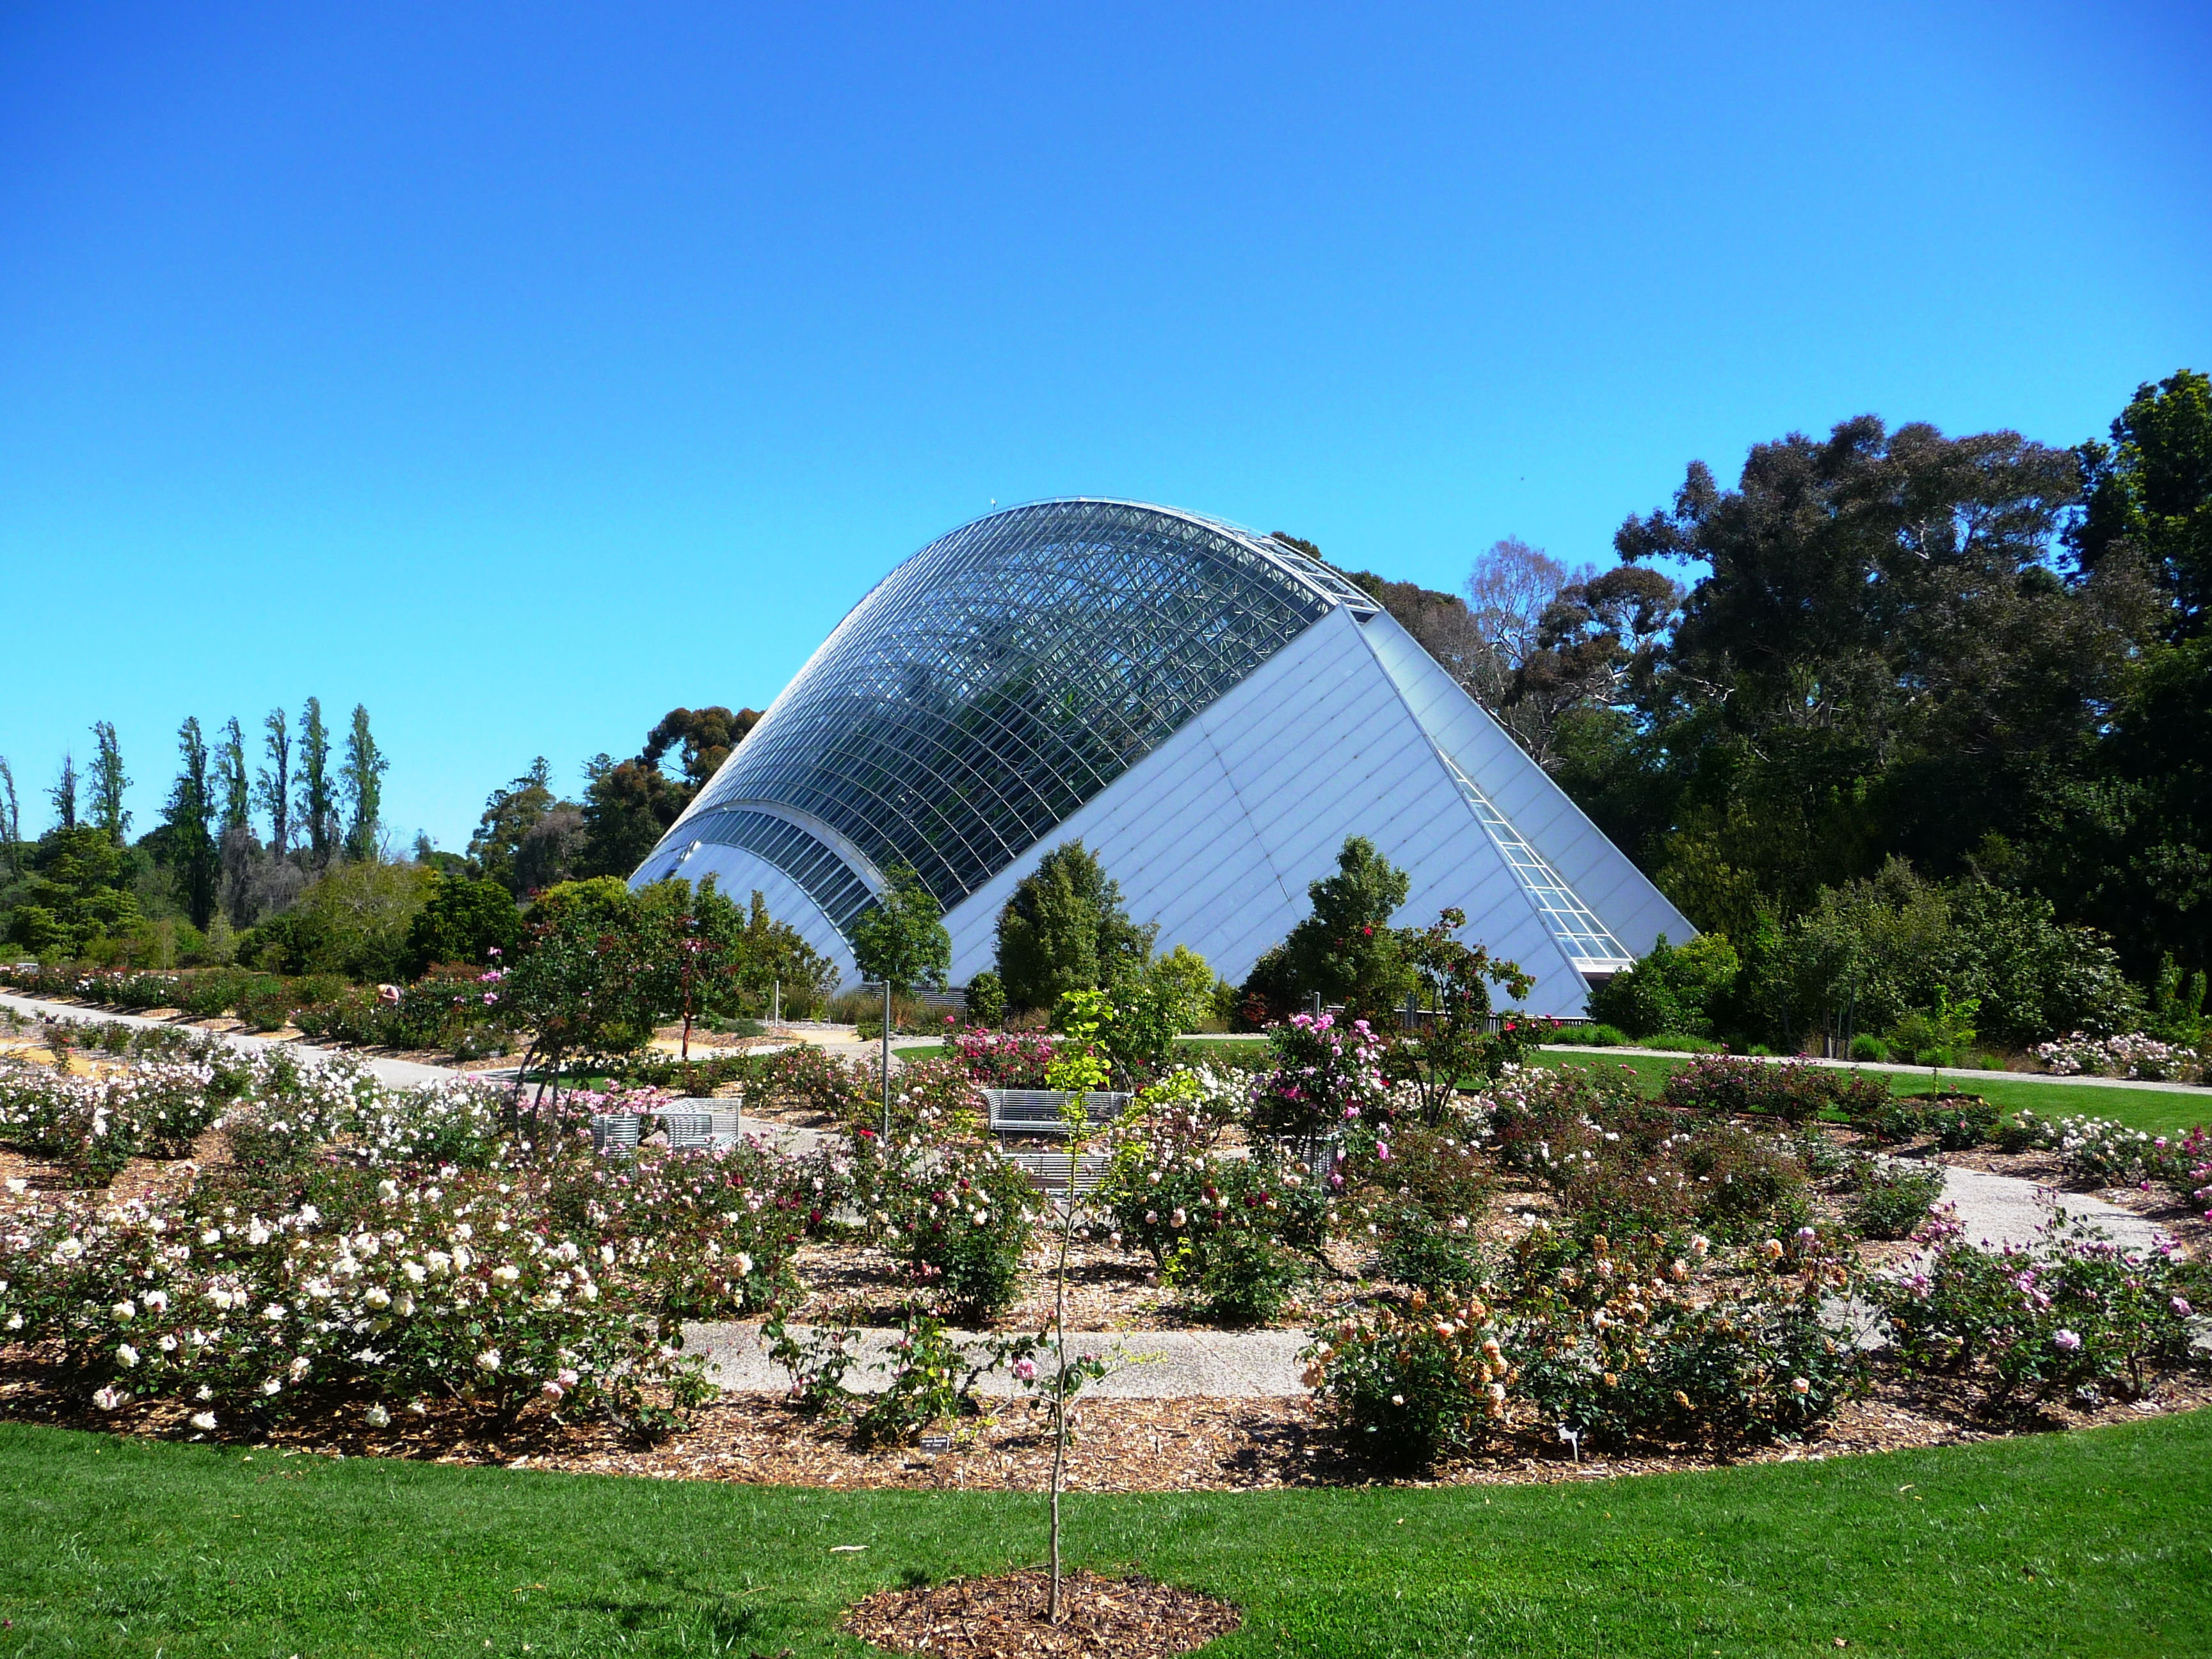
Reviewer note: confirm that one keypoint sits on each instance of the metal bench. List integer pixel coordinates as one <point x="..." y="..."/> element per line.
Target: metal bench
<point x="1317" y="1156"/>
<point x="615" y="1131"/>
<point x="1048" y="1172"/>
<point x="1036" y="1111"/>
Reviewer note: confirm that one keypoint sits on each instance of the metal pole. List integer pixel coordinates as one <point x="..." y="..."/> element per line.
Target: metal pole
<point x="887" y="1063"/>
<point x="775" y="1007"/>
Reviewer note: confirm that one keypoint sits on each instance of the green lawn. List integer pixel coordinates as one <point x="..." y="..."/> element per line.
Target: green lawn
<point x="2087" y="1544"/>
<point x="2158" y="1110"/>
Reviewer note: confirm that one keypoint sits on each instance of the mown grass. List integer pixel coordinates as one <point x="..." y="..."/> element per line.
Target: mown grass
<point x="2160" y="1111"/>
<point x="2091" y="1544"/>
<point x="2157" y="1110"/>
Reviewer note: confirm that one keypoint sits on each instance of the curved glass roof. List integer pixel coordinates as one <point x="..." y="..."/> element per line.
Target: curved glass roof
<point x="996" y="681"/>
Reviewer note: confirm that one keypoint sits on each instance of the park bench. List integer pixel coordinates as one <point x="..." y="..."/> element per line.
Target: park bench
<point x="1036" y="1111"/>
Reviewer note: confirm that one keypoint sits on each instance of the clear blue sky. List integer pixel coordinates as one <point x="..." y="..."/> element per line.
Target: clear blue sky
<point x="523" y="372"/>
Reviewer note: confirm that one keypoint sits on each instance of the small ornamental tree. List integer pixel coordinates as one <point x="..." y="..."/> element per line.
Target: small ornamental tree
<point x="1456" y="1047"/>
<point x="903" y="941"/>
<point x="585" y="984"/>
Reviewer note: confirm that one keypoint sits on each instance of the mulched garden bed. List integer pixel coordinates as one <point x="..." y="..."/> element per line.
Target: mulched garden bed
<point x="1004" y="1615"/>
<point x="1122" y="1445"/>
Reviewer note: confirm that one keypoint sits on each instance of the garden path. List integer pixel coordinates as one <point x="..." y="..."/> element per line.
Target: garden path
<point x="1997" y="1210"/>
<point x="401" y="1072"/>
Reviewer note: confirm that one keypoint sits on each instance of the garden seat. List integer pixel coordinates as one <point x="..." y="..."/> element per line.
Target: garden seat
<point x="689" y="1128"/>
<point x="1048" y="1172"/>
<point x="615" y="1131"/>
<point x="1036" y="1111"/>
<point x="726" y="1118"/>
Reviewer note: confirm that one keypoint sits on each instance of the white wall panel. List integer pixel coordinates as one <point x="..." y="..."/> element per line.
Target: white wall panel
<point x="1216" y="834"/>
<point x="1601" y="875"/>
<point x="738" y="874"/>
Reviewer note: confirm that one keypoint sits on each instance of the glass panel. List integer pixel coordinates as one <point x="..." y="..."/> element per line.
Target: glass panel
<point x="999" y="678"/>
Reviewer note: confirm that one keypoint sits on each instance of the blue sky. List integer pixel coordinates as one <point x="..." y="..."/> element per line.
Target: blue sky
<point x="524" y="371"/>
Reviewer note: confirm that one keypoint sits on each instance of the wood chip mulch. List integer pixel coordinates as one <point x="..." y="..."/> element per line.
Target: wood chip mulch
<point x="1004" y="1615"/>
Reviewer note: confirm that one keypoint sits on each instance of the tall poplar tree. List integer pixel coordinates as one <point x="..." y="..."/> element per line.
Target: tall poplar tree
<point x="237" y="786"/>
<point x="273" y="785"/>
<point x="362" y="777"/>
<point x="191" y="846"/>
<point x="317" y="797"/>
<point x="108" y="783"/>
<point x="63" y="794"/>
<point x="11" y="818"/>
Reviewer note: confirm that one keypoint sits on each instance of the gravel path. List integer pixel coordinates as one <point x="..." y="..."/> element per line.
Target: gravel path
<point x="402" y="1071"/>
<point x="1150" y="1364"/>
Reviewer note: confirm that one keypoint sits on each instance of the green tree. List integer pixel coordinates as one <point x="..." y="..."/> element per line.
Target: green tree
<point x="272" y="785"/>
<point x="584" y="983"/>
<point x="1882" y="659"/>
<point x="2149" y="494"/>
<point x="187" y="843"/>
<point x="317" y="803"/>
<point x="1346" y="949"/>
<point x="362" y="778"/>
<point x="233" y="784"/>
<point x="509" y="815"/>
<point x="461" y="922"/>
<point x="1065" y="929"/>
<point x="629" y="805"/>
<point x="354" y="919"/>
<point x="63" y="794"/>
<point x="77" y="894"/>
<point x="108" y="783"/>
<point x="900" y="940"/>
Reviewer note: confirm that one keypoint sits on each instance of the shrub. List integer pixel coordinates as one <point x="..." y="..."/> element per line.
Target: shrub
<point x="1961" y="1122"/>
<point x="1673" y="989"/>
<point x="1893" y="1202"/>
<point x="1006" y="1060"/>
<point x="2131" y="1054"/>
<point x="1427" y="1253"/>
<point x="987" y="999"/>
<point x="1865" y="1047"/>
<point x="96" y="1125"/>
<point x="358" y="1017"/>
<point x="1324" y="1077"/>
<point x="1242" y="1274"/>
<point x="959" y="1214"/>
<point x="1407" y="1388"/>
<point x="1624" y="1344"/>
<point x="397" y="1292"/>
<point x="1792" y="1092"/>
<point x="2071" y="1311"/>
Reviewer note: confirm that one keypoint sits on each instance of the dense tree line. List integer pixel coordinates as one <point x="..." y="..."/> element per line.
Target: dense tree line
<point x="1968" y="663"/>
<point x="203" y="877"/>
